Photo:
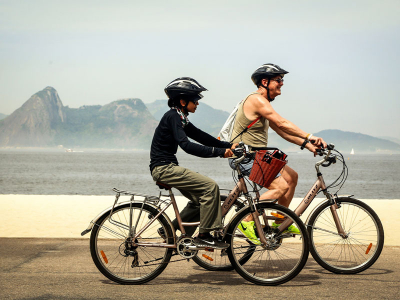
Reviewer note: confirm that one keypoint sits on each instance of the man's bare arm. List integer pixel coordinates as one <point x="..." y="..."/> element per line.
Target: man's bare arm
<point x="265" y="109"/>
<point x="290" y="138"/>
<point x="294" y="139"/>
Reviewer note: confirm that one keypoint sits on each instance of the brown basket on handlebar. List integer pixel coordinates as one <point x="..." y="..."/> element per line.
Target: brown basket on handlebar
<point x="266" y="166"/>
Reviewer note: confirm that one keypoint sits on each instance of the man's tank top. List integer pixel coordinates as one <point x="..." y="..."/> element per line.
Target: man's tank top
<point x="256" y="135"/>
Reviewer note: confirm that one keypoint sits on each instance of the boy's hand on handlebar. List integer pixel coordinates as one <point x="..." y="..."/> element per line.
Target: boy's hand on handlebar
<point x="228" y="153"/>
<point x="317" y="141"/>
<point x="234" y="146"/>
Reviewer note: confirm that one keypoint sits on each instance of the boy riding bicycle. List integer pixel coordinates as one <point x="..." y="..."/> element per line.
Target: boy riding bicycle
<point x="174" y="129"/>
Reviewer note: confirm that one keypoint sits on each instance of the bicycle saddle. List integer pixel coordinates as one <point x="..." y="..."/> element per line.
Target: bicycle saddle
<point x="163" y="185"/>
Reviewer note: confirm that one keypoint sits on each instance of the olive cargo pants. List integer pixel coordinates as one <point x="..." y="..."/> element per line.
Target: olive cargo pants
<point x="203" y="193"/>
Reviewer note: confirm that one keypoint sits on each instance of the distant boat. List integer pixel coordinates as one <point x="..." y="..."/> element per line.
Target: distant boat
<point x="352" y="151"/>
<point x="71" y="150"/>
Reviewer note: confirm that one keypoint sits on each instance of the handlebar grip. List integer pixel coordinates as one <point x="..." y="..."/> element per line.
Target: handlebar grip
<point x="238" y="152"/>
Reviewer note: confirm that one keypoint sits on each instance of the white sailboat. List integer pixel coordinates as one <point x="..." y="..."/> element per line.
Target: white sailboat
<point x="352" y="151"/>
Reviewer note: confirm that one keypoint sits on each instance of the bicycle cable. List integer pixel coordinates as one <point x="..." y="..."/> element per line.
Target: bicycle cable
<point x="341" y="179"/>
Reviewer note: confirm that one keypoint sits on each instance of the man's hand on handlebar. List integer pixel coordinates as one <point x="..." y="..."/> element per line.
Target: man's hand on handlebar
<point x="312" y="148"/>
<point x="317" y="141"/>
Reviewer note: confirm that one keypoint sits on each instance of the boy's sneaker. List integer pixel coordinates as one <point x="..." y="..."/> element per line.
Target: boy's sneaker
<point x="248" y="229"/>
<point x="291" y="229"/>
<point x="210" y="242"/>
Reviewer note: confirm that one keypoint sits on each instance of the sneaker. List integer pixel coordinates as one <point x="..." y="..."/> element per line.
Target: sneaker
<point x="291" y="229"/>
<point x="210" y="242"/>
<point x="161" y="233"/>
<point x="248" y="229"/>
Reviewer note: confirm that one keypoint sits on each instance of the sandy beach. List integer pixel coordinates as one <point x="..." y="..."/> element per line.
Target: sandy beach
<point x="49" y="216"/>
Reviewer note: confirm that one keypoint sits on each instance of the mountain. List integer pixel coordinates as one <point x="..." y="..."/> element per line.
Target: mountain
<point x="206" y="118"/>
<point x="344" y="141"/>
<point x="43" y="121"/>
<point x="2" y="116"/>
<point x="390" y="138"/>
<point x="33" y="123"/>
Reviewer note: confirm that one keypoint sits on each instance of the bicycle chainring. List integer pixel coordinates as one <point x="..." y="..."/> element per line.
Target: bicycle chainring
<point x="273" y="241"/>
<point x="182" y="247"/>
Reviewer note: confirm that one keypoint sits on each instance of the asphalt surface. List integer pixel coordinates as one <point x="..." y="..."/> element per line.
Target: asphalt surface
<point x="63" y="269"/>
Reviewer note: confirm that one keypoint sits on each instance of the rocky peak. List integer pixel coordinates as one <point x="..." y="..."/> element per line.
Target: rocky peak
<point x="34" y="122"/>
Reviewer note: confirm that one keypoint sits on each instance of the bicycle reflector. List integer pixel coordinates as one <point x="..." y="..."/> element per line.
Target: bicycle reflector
<point x="279" y="216"/>
<point x="368" y="249"/>
<point x="104" y="256"/>
<point x="206" y="256"/>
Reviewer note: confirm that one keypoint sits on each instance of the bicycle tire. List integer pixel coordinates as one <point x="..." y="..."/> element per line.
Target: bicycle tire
<point x="115" y="260"/>
<point x="275" y="263"/>
<point x="215" y="259"/>
<point x="353" y="254"/>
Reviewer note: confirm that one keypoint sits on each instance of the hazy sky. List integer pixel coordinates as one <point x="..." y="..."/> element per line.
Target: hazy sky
<point x="343" y="56"/>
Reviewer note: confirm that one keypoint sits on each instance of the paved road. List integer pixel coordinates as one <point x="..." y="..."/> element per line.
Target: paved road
<point x="63" y="269"/>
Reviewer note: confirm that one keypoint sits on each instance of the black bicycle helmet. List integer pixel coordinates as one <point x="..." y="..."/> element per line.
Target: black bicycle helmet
<point x="184" y="86"/>
<point x="267" y="71"/>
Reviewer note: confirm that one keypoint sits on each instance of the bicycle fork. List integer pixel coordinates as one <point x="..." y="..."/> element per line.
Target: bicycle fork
<point x="312" y="193"/>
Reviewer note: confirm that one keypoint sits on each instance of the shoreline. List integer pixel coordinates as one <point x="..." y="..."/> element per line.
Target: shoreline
<point x="66" y="216"/>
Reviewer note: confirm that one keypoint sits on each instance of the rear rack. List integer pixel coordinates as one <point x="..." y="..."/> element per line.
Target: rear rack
<point x="147" y="197"/>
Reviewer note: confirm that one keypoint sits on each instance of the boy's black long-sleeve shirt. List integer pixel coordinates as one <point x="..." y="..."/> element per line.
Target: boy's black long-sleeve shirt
<point x="170" y="133"/>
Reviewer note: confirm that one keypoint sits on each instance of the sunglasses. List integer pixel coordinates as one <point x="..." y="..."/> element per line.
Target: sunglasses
<point x="196" y="102"/>
<point x="279" y="80"/>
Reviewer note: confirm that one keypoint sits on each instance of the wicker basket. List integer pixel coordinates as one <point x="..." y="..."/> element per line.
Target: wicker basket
<point x="266" y="166"/>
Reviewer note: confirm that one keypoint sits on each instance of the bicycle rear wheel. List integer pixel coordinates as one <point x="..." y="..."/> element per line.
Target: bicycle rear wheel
<point x="280" y="260"/>
<point x="346" y="255"/>
<point x="112" y="250"/>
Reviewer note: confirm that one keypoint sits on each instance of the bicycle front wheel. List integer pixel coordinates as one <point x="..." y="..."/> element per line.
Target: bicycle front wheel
<point x="361" y="246"/>
<point x="277" y="262"/>
<point x="115" y="255"/>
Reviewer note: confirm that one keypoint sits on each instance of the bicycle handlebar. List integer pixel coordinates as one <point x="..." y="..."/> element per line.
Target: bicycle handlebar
<point x="242" y="150"/>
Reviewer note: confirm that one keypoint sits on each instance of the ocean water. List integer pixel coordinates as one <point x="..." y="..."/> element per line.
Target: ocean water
<point x="56" y="172"/>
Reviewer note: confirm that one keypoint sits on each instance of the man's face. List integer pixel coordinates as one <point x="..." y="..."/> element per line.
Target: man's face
<point x="275" y="85"/>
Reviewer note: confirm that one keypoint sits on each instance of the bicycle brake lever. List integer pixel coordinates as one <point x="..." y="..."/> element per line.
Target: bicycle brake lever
<point x="320" y="152"/>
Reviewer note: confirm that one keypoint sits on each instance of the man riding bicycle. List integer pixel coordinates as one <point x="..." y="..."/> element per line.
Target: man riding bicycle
<point x="174" y="129"/>
<point x="269" y="80"/>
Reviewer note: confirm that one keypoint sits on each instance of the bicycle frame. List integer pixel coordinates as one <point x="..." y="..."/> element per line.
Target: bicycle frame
<point x="312" y="193"/>
<point x="229" y="201"/>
